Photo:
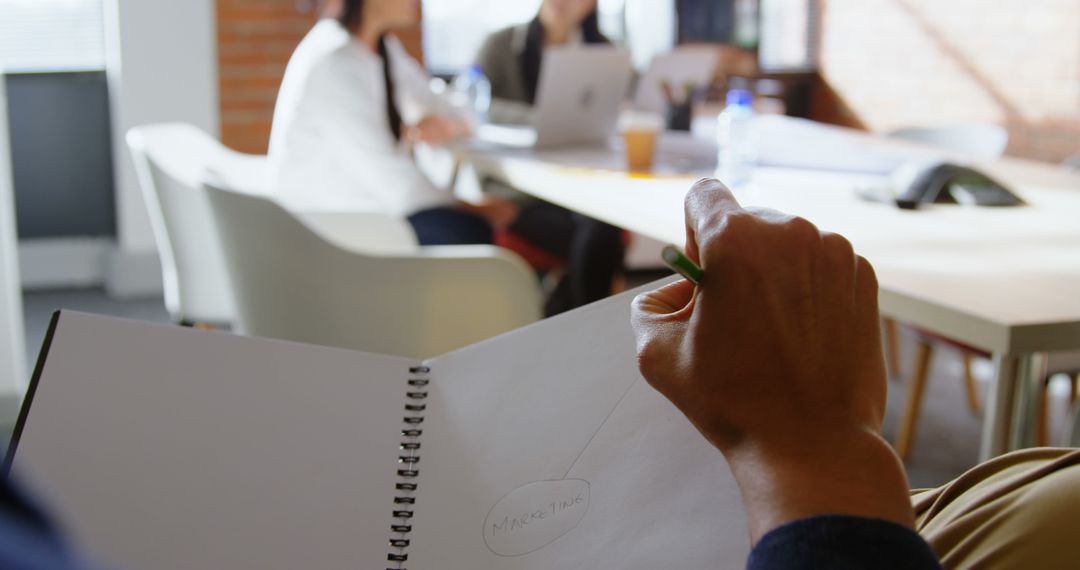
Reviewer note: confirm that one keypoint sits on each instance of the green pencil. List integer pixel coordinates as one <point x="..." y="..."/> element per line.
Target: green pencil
<point x="679" y="263"/>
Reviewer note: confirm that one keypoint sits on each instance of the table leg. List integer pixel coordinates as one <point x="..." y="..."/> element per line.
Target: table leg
<point x="1011" y="408"/>
<point x="997" y="418"/>
<point x="1031" y="370"/>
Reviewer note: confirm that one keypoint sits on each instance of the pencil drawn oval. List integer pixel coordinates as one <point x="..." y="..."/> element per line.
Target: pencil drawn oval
<point x="535" y="515"/>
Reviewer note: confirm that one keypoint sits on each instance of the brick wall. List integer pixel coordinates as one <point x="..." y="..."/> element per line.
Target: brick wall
<point x="894" y="63"/>
<point x="255" y="39"/>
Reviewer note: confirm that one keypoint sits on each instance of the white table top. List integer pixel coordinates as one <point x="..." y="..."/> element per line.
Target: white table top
<point x="1003" y="279"/>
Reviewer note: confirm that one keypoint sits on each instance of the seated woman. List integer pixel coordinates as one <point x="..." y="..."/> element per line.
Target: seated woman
<point x="511" y="59"/>
<point x="351" y="102"/>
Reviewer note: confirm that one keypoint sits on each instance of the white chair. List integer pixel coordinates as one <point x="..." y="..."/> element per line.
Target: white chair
<point x="980" y="141"/>
<point x="171" y="161"/>
<point x="291" y="283"/>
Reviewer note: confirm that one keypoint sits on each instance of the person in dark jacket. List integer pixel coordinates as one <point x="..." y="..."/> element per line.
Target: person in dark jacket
<point x="511" y="59"/>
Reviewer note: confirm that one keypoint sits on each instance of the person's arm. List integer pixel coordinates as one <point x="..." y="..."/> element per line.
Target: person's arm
<point x="28" y="539"/>
<point x="776" y="358"/>
<point x="429" y="117"/>
<point x="842" y="543"/>
<point x="507" y="106"/>
<point x="354" y="131"/>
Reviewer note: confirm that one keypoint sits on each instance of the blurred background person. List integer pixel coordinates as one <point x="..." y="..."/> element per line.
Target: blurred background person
<point x="351" y="103"/>
<point x="512" y="58"/>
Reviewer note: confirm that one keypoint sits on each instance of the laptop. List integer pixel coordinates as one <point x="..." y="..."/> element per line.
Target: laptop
<point x="578" y="99"/>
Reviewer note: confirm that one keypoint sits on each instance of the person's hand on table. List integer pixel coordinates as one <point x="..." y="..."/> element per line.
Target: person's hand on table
<point x="437" y="130"/>
<point x="776" y="358"/>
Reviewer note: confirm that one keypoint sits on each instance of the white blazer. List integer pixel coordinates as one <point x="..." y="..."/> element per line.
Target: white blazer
<point x="331" y="148"/>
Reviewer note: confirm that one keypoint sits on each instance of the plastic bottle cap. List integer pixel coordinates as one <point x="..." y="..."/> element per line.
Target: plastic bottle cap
<point x="740" y="97"/>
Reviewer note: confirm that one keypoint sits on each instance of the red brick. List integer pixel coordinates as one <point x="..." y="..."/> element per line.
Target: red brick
<point x="255" y="40"/>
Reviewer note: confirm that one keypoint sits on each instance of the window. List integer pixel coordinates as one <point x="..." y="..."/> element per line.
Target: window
<point x="454" y="30"/>
<point x="788" y="29"/>
<point x="51" y="35"/>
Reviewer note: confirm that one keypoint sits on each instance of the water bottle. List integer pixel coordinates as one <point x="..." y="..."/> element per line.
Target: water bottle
<point x="474" y="90"/>
<point x="736" y="139"/>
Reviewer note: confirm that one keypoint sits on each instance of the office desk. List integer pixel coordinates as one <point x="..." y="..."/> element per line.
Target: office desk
<point x="1004" y="280"/>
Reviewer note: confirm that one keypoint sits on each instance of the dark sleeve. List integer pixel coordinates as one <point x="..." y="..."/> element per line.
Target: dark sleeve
<point x="842" y="543"/>
<point x="488" y="58"/>
<point x="28" y="540"/>
<point x="498" y="60"/>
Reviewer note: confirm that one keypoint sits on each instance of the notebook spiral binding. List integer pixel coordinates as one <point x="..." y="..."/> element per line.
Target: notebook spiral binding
<point x="408" y="460"/>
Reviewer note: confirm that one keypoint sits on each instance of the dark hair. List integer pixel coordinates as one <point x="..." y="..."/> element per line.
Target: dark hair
<point x="352" y="17"/>
<point x="533" y="55"/>
<point x="352" y="14"/>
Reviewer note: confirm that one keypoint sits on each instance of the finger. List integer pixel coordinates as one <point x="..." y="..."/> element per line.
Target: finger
<point x="667" y="300"/>
<point x="706" y="199"/>
<point x="866" y="288"/>
<point x="841" y="256"/>
<point x="659" y="321"/>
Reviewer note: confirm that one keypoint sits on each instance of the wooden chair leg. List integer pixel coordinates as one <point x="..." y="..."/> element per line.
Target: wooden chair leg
<point x="892" y="348"/>
<point x="905" y="435"/>
<point x="969" y="384"/>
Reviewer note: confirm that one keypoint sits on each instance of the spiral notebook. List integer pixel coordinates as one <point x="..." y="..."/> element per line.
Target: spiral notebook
<point x="167" y="448"/>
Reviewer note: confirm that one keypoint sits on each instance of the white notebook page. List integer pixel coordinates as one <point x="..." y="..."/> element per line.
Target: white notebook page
<point x="168" y="448"/>
<point x="545" y="448"/>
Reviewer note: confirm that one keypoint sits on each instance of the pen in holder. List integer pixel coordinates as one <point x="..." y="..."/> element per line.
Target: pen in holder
<point x="680" y="105"/>
<point x="679" y="116"/>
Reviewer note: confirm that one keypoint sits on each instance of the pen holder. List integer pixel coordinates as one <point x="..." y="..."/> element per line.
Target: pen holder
<point x="679" y="116"/>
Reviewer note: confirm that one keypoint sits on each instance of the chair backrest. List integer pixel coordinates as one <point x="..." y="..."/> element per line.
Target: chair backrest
<point x="979" y="141"/>
<point x="171" y="160"/>
<point x="292" y="284"/>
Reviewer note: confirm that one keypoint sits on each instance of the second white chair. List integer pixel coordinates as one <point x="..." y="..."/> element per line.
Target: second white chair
<point x="171" y="160"/>
<point x="292" y="283"/>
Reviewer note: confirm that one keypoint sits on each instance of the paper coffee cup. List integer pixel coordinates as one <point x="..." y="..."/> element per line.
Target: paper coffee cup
<point x="640" y="132"/>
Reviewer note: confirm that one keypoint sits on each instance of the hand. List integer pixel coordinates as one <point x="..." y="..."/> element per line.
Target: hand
<point x="499" y="213"/>
<point x="776" y="358"/>
<point x="436" y="130"/>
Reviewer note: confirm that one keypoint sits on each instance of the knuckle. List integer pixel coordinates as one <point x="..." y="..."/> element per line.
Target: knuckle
<point x="867" y="272"/>
<point x="802" y="228"/>
<point x="702" y="197"/>
<point x="724" y="233"/>
<point x="838" y="245"/>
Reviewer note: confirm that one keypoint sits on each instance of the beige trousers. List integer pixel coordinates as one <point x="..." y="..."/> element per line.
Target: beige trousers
<point x="1018" y="511"/>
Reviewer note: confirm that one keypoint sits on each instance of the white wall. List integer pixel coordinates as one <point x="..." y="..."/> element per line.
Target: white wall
<point x="162" y="66"/>
<point x="13" y="376"/>
<point x="650" y="29"/>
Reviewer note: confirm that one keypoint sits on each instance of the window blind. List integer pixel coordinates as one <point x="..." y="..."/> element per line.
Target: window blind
<point x="788" y="35"/>
<point x="51" y="35"/>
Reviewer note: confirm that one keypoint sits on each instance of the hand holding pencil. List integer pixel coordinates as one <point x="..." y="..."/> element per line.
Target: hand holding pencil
<point x="776" y="358"/>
